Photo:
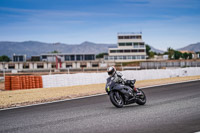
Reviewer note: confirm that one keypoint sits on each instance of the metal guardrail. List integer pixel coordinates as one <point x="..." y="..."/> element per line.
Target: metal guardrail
<point x="161" y="64"/>
<point x="127" y="33"/>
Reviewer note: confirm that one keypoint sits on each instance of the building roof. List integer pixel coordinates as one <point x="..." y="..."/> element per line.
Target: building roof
<point x="67" y="54"/>
<point x="186" y="51"/>
<point x="129" y="33"/>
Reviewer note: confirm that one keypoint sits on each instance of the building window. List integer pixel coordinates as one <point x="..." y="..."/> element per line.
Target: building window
<point x="68" y="66"/>
<point x="84" y="65"/>
<point x="40" y="65"/>
<point x="128" y="44"/>
<point x="126" y="37"/>
<point x="122" y="44"/>
<point x="127" y="51"/>
<point x="120" y="37"/>
<point x="141" y="50"/>
<point x="135" y="45"/>
<point x="142" y="57"/>
<point x="95" y="65"/>
<point x="26" y="66"/>
<point x="138" y="57"/>
<point x="53" y="66"/>
<point x="113" y="51"/>
<point x="138" y="37"/>
<point x="141" y="45"/>
<point x="132" y="37"/>
<point x="89" y="57"/>
<point x="72" y="57"/>
<point x="79" y="57"/>
<point x="11" y="66"/>
<point x="120" y="57"/>
<point x="129" y="57"/>
<point x="44" y="57"/>
<point x="67" y="57"/>
<point x="35" y="58"/>
<point x="134" y="50"/>
<point x="110" y="58"/>
<point x="119" y="51"/>
<point x="106" y="57"/>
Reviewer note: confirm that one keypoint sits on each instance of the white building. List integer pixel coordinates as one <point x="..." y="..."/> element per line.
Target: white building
<point x="130" y="47"/>
<point x="19" y="58"/>
<point x="51" y="57"/>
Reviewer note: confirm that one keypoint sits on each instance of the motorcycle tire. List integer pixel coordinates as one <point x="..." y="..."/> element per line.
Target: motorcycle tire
<point x="141" y="99"/>
<point x="116" y="99"/>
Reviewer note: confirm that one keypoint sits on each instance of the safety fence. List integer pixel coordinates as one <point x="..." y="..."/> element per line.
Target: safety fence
<point x="169" y="63"/>
<point x="23" y="82"/>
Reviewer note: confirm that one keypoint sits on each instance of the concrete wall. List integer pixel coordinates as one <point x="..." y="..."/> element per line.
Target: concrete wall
<point x="61" y="80"/>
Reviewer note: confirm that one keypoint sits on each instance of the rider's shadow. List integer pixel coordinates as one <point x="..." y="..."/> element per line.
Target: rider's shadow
<point x="130" y="106"/>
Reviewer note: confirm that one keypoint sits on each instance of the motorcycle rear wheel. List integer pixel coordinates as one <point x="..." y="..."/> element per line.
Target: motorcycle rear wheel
<point x="116" y="99"/>
<point x="141" y="99"/>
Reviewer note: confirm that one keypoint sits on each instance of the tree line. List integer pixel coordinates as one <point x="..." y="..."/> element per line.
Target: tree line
<point x="4" y="58"/>
<point x="172" y="54"/>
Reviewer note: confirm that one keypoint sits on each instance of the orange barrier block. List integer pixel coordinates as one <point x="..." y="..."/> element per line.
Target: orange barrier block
<point x="37" y="82"/>
<point x="23" y="82"/>
<point x="7" y="83"/>
<point x="33" y="81"/>
<point x="27" y="82"/>
<point x="40" y="82"/>
<point x="15" y="83"/>
<point x="30" y="82"/>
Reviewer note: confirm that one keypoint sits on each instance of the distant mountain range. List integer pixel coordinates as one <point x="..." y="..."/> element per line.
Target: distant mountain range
<point x="36" y="48"/>
<point x="192" y="47"/>
<point x="156" y="50"/>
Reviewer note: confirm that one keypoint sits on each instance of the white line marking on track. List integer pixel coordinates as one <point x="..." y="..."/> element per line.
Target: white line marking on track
<point x="170" y="83"/>
<point x="92" y="96"/>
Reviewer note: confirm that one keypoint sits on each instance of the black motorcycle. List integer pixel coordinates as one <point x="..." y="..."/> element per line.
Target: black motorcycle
<point x="124" y="93"/>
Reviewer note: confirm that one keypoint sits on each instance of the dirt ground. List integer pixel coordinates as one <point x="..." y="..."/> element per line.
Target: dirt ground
<point x="1" y="86"/>
<point x="33" y="96"/>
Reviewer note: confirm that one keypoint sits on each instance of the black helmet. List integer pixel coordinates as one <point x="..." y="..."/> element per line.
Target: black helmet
<point x="111" y="70"/>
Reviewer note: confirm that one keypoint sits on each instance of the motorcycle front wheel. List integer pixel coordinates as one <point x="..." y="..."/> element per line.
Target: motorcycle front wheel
<point x="116" y="99"/>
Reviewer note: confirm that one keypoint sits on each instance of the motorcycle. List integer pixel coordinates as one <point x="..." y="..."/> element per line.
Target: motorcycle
<point x="124" y="93"/>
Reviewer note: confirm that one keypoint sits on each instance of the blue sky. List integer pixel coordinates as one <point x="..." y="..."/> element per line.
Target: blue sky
<point x="164" y="23"/>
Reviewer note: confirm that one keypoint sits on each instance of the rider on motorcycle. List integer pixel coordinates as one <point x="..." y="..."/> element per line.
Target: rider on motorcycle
<point x="122" y="91"/>
<point x="117" y="77"/>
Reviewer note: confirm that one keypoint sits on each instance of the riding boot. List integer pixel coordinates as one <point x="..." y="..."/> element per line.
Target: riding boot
<point x="137" y="91"/>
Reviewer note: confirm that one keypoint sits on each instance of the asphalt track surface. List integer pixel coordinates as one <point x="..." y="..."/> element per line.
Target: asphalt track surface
<point x="169" y="109"/>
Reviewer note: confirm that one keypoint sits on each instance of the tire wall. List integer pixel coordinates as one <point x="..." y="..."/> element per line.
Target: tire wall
<point x="23" y="82"/>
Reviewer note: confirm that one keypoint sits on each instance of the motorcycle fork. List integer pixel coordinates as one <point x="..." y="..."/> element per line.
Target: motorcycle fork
<point x="117" y="95"/>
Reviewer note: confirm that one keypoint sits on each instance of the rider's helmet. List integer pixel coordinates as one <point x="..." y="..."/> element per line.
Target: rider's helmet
<point x="111" y="70"/>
